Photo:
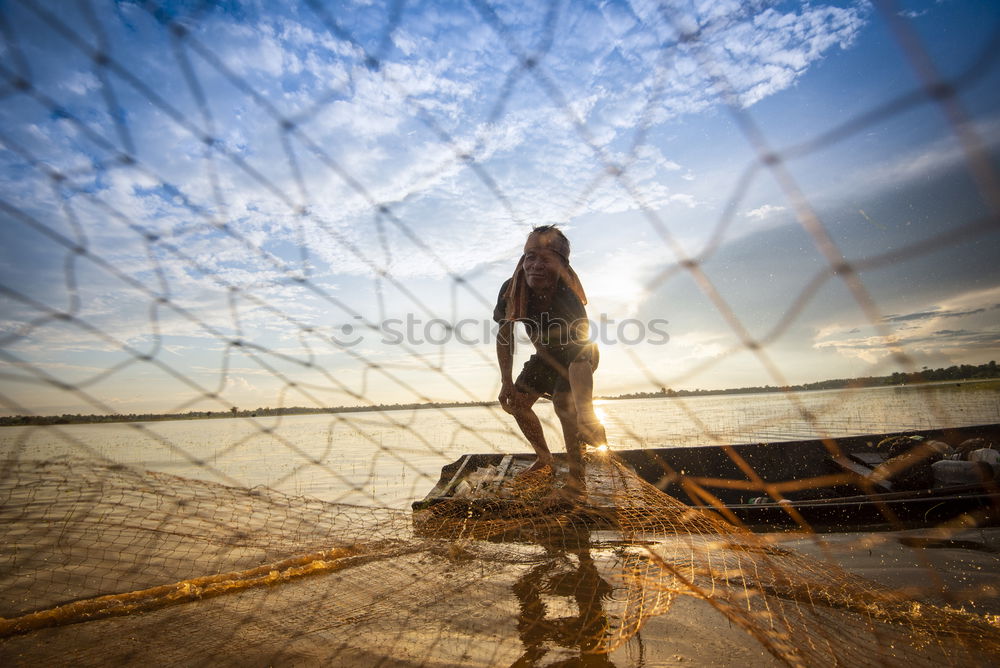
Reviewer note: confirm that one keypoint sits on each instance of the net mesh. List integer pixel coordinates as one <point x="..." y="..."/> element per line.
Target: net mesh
<point x="275" y="543"/>
<point x="279" y="579"/>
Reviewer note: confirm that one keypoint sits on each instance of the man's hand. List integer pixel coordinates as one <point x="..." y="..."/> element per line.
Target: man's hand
<point x="507" y="397"/>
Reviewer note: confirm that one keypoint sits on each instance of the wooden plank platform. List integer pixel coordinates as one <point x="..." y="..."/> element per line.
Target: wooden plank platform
<point x="493" y="479"/>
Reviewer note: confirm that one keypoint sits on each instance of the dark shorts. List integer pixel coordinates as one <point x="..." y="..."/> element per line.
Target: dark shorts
<point x="544" y="378"/>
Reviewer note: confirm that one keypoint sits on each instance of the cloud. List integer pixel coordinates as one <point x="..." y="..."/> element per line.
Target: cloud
<point x="953" y="344"/>
<point x="937" y="313"/>
<point x="923" y="161"/>
<point x="765" y="211"/>
<point x="692" y="349"/>
<point x="368" y="111"/>
<point x="922" y="333"/>
<point x="752" y="57"/>
<point x="443" y="153"/>
<point x="81" y="83"/>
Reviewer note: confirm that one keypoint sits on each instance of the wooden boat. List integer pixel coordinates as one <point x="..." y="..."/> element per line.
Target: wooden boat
<point x="833" y="484"/>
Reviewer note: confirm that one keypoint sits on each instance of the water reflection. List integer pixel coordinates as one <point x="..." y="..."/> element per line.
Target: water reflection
<point x="562" y="620"/>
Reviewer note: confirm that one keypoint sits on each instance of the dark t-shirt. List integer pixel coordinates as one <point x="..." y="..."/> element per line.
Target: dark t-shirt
<point x="561" y="329"/>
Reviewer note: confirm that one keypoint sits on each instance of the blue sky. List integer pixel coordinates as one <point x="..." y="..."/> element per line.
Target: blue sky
<point x="239" y="203"/>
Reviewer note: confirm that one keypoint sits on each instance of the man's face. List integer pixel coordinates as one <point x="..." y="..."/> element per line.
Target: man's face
<point x="541" y="268"/>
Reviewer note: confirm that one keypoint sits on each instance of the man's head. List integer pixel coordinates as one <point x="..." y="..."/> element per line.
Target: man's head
<point x="546" y="255"/>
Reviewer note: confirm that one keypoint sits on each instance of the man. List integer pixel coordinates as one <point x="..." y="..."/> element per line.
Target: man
<point x="545" y="294"/>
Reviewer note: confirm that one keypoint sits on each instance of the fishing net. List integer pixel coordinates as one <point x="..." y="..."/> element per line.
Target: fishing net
<point x="178" y="571"/>
<point x="206" y="204"/>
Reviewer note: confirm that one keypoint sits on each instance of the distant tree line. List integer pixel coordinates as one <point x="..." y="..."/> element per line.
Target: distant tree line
<point x="233" y="411"/>
<point x="955" y="373"/>
<point x="952" y="373"/>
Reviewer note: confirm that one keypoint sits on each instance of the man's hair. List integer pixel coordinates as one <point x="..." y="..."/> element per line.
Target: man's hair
<point x="556" y="232"/>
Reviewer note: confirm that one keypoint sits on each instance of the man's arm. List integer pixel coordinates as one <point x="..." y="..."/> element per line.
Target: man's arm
<point x="505" y="358"/>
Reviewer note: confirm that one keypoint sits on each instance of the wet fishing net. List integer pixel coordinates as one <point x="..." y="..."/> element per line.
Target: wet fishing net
<point x="178" y="571"/>
<point x="309" y="209"/>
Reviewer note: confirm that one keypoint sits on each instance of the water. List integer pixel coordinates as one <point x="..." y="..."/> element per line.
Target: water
<point x="391" y="458"/>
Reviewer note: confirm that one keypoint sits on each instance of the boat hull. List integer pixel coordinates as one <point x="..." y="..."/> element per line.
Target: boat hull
<point x="816" y="484"/>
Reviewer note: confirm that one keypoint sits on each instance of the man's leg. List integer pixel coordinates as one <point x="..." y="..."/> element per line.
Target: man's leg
<point x="531" y="427"/>
<point x="581" y="380"/>
<point x="566" y="412"/>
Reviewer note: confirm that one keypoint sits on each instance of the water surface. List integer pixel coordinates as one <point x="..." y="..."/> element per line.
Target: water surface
<point x="391" y="458"/>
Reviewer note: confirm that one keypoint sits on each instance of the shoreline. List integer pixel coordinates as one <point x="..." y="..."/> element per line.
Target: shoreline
<point x="66" y="419"/>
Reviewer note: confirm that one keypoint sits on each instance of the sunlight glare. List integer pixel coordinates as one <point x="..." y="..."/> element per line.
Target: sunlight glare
<point x="602" y="417"/>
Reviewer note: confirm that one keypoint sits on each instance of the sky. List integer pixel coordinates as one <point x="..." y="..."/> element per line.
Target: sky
<point x="207" y="205"/>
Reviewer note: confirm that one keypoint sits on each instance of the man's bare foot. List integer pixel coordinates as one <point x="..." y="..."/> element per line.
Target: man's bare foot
<point x="539" y="466"/>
